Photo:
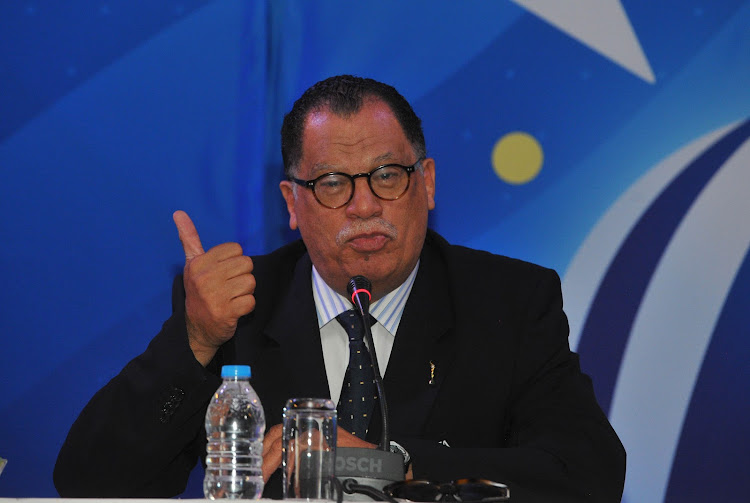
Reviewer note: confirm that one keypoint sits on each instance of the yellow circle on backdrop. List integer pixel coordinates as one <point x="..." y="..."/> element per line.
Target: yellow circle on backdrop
<point x="517" y="158"/>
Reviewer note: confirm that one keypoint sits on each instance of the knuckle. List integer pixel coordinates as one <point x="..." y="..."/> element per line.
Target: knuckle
<point x="248" y="262"/>
<point x="245" y="305"/>
<point x="232" y="248"/>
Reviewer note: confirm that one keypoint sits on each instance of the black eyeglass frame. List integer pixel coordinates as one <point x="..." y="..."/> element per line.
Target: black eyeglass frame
<point x="448" y="491"/>
<point x="310" y="184"/>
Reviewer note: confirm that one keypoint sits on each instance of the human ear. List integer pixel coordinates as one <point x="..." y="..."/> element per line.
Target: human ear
<point x="287" y="190"/>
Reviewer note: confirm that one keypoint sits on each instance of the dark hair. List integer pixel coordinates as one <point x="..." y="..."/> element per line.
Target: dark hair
<point x="344" y="95"/>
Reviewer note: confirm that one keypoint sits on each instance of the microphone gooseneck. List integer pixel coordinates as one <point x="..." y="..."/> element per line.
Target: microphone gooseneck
<point x="369" y="468"/>
<point x="359" y="290"/>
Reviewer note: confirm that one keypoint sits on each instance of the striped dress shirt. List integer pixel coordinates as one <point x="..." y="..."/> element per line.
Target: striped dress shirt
<point x="329" y="304"/>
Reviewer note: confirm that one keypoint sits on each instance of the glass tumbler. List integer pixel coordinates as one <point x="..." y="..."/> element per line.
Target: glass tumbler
<point x="308" y="452"/>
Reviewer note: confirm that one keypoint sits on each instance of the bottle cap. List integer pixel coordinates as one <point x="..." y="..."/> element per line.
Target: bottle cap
<point x="241" y="371"/>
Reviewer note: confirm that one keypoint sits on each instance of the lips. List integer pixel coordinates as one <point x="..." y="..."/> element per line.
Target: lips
<point x="368" y="243"/>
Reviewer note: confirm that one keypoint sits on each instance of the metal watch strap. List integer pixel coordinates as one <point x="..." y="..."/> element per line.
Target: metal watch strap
<point x="398" y="448"/>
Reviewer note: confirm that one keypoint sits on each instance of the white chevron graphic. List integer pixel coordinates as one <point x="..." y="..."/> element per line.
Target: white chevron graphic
<point x="601" y="25"/>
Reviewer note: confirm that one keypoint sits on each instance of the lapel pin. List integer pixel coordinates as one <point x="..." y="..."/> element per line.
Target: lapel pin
<point x="431" y="382"/>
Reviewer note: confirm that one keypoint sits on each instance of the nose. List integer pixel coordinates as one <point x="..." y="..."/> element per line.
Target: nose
<point x="364" y="204"/>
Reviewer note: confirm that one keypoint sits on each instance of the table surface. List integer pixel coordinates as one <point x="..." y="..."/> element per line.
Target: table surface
<point x="93" y="500"/>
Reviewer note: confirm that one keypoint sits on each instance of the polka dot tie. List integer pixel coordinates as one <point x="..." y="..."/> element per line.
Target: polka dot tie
<point x="358" y="394"/>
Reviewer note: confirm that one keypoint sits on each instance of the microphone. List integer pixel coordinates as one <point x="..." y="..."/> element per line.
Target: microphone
<point x="376" y="468"/>
<point x="359" y="289"/>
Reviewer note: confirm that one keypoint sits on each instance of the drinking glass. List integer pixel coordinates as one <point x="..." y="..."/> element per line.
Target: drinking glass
<point x="309" y="449"/>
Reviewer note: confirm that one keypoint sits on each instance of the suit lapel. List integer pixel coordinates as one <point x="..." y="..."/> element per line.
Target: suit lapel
<point x="294" y="353"/>
<point x="295" y="328"/>
<point x="423" y="350"/>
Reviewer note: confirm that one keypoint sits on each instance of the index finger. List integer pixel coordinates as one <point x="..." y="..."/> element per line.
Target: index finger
<point x="191" y="242"/>
<point x="346" y="439"/>
<point x="274" y="434"/>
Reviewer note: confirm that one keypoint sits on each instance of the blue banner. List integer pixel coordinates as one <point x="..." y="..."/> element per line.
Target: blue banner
<point x="608" y="140"/>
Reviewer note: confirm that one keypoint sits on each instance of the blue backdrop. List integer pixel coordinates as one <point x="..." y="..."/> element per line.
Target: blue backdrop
<point x="608" y="140"/>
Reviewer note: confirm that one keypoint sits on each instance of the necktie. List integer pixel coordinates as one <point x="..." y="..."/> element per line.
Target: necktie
<point x="358" y="394"/>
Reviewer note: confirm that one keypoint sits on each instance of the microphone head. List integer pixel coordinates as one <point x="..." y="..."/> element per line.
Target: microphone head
<point x="359" y="290"/>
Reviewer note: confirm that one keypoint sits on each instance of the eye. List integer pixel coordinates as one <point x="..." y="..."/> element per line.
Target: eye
<point x="331" y="183"/>
<point x="387" y="176"/>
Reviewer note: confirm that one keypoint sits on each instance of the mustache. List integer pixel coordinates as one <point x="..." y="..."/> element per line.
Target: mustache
<point x="375" y="225"/>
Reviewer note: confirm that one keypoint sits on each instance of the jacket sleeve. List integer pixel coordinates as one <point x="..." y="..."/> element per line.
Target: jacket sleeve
<point x="553" y="442"/>
<point x="141" y="435"/>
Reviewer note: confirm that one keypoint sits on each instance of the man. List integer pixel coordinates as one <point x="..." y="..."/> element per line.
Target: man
<point x="480" y="379"/>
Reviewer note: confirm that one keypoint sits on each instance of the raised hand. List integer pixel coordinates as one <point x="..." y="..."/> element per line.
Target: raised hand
<point x="219" y="287"/>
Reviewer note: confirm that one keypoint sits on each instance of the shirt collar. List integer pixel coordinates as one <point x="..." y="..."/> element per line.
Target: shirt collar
<point x="386" y="310"/>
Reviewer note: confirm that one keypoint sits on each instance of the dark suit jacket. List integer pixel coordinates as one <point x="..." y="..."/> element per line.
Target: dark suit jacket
<point x="508" y="396"/>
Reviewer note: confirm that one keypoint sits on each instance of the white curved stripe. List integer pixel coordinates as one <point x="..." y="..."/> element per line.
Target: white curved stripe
<point x="674" y="325"/>
<point x="587" y="269"/>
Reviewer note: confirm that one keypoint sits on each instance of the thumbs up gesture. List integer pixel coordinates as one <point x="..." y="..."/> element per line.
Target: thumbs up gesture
<point x="219" y="287"/>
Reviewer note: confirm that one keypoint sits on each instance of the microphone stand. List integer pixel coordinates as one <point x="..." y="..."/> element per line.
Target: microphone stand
<point x="374" y="468"/>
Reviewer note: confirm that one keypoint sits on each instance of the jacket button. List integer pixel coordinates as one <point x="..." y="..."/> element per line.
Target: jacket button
<point x="171" y="404"/>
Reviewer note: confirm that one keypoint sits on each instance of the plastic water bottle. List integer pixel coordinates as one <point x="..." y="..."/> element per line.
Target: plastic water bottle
<point x="234" y="426"/>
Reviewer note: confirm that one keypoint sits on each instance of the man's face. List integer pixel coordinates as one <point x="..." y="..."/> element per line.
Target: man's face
<point x="378" y="239"/>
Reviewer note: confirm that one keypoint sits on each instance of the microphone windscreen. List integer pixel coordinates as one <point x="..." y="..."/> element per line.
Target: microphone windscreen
<point x="359" y="289"/>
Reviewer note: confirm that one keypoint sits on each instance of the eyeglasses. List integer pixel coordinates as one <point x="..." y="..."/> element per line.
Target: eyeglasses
<point x="334" y="190"/>
<point x="459" y="490"/>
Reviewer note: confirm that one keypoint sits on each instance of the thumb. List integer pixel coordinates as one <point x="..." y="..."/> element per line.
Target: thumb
<point x="191" y="242"/>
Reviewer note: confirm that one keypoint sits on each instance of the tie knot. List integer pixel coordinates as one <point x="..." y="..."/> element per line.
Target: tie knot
<point x="352" y="323"/>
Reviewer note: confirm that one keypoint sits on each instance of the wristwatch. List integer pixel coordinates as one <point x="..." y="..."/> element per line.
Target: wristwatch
<point x="398" y="448"/>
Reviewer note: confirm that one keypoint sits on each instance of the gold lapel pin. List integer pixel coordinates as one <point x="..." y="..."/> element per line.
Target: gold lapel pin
<point x="431" y="382"/>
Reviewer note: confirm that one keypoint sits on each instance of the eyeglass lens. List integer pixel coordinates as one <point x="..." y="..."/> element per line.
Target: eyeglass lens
<point x="387" y="182"/>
